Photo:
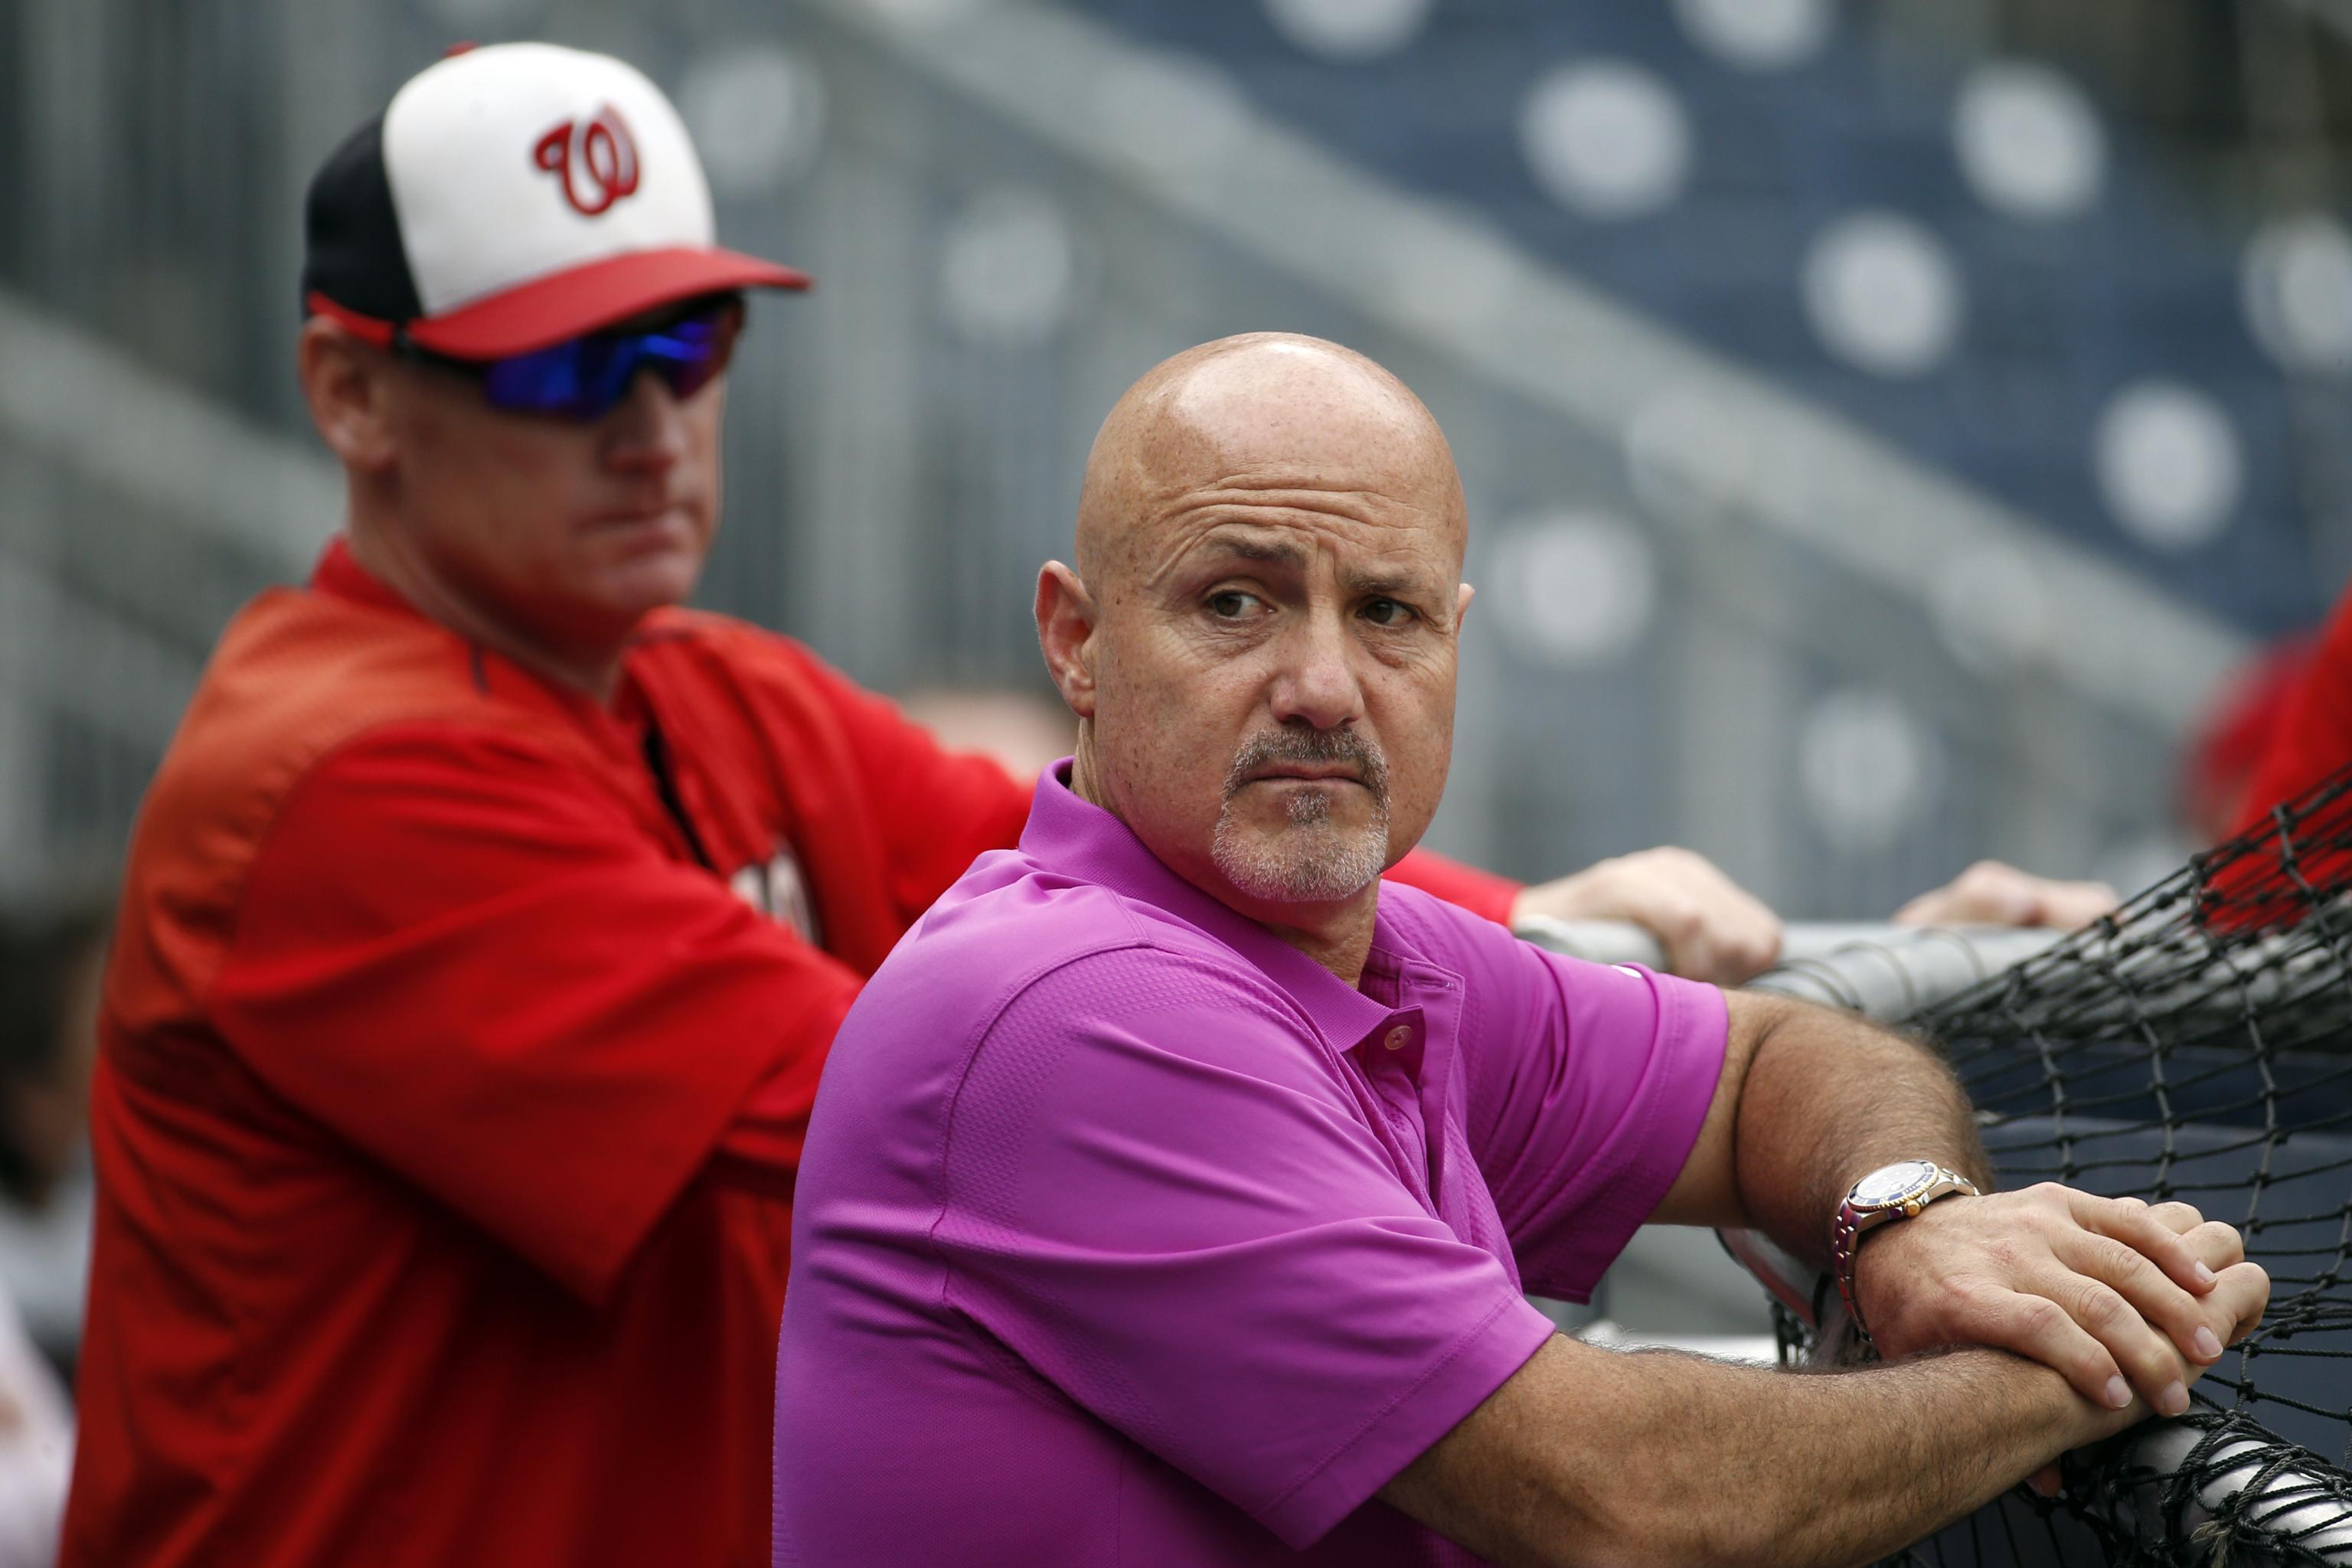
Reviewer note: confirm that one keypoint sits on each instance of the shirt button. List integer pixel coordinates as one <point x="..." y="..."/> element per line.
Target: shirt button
<point x="1398" y="1038"/>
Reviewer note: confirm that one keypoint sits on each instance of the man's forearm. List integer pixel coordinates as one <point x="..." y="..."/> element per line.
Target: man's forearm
<point x="1699" y="1462"/>
<point x="1829" y="1097"/>
<point x="1833" y="1470"/>
<point x="2121" y="1296"/>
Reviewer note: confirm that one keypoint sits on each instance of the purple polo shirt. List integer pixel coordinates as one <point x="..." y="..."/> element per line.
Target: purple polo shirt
<point x="1127" y="1235"/>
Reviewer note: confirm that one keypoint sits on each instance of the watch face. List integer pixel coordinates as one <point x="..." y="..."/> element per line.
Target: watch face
<point x="1893" y="1183"/>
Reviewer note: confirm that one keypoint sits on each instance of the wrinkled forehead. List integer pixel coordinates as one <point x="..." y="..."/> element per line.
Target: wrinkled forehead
<point x="1294" y="443"/>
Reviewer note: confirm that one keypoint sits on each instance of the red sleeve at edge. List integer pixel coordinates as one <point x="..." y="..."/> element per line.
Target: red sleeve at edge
<point x="1480" y="892"/>
<point x="2313" y="737"/>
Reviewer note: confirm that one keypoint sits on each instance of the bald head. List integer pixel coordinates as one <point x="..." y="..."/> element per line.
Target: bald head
<point x="1267" y="412"/>
<point x="1260" y="640"/>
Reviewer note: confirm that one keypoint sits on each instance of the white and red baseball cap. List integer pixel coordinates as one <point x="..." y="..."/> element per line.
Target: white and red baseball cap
<point x="512" y="196"/>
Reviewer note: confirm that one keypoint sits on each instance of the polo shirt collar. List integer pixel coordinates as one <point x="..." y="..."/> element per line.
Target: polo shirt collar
<point x="1076" y="837"/>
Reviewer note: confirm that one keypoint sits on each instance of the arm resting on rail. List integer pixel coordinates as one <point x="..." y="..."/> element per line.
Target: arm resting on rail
<point x="1588" y="1457"/>
<point x="1810" y="1100"/>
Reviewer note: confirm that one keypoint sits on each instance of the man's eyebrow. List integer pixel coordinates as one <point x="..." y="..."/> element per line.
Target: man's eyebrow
<point x="1393" y="585"/>
<point x="1267" y="552"/>
<point x="1217" y="547"/>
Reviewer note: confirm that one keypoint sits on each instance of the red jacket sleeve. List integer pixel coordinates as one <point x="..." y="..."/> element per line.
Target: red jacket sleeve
<point x="1480" y="892"/>
<point x="936" y="810"/>
<point x="469" y="961"/>
<point x="2314" y="736"/>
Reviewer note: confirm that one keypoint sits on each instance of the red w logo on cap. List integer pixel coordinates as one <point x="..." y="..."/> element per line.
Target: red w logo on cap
<point x="594" y="160"/>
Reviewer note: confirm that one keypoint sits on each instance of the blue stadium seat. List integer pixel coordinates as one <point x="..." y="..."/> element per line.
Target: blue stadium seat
<point x="2060" y="316"/>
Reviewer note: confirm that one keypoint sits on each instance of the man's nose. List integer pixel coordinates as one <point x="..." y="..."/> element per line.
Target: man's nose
<point x="1316" y="684"/>
<point x="646" y="430"/>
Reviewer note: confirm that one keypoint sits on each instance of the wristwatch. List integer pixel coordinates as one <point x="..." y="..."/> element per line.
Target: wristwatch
<point x="1890" y="1191"/>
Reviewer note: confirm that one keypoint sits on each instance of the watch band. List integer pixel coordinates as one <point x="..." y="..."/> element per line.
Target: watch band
<point x="1892" y="1192"/>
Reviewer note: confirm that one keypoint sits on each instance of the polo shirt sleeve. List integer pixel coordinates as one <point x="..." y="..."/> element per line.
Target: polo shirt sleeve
<point x="1587" y="1085"/>
<point x="1160" y="1192"/>
<point x="478" y="969"/>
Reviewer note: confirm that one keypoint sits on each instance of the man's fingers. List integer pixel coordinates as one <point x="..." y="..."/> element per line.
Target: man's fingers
<point x="2071" y="906"/>
<point x="1748" y="933"/>
<point x="2237" y="1300"/>
<point x="2139" y="1227"/>
<point x="1679" y="923"/>
<point x="1992" y="893"/>
<point x="1713" y="928"/>
<point x="2178" y="1315"/>
<point x="2216" y="1245"/>
<point x="2121" y="1297"/>
<point x="2144" y="1354"/>
<point x="1710" y="927"/>
<point x="1747" y="943"/>
<point x="1691" y="955"/>
<point x="2041" y="1330"/>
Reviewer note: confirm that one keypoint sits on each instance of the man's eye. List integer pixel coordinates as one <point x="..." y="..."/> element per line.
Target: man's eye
<point x="1231" y="604"/>
<point x="1387" y="612"/>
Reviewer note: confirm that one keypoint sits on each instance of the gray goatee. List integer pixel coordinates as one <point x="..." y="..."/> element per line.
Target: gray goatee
<point x="1316" y="859"/>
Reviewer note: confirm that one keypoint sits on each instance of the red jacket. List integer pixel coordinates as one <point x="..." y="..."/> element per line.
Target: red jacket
<point x="458" y="1038"/>
<point x="2313" y="736"/>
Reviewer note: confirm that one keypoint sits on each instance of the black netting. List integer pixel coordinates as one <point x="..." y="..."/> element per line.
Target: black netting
<point x="2197" y="1046"/>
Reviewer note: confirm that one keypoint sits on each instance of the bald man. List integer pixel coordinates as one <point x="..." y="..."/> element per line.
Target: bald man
<point x="1174" y="1184"/>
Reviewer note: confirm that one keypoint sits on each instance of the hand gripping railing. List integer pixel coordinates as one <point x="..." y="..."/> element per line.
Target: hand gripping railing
<point x="2165" y="1482"/>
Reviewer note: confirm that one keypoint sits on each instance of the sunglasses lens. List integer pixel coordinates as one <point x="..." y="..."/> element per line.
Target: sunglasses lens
<point x="547" y="382"/>
<point x="585" y="378"/>
<point x="607" y="366"/>
<point x="703" y="346"/>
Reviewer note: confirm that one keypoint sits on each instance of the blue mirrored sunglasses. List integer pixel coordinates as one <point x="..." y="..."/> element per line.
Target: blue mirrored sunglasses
<point x="586" y="378"/>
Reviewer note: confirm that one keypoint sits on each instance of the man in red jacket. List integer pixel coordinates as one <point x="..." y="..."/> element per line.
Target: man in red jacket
<point x="488" y="922"/>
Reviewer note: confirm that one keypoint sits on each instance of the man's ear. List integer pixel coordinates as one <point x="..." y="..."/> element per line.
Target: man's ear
<point x="1065" y="629"/>
<point x="345" y="380"/>
<point x="1463" y="594"/>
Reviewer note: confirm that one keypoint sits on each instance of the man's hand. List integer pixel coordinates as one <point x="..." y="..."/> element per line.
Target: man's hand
<point x="1990" y="894"/>
<point x="2115" y="1295"/>
<point x="1711" y="929"/>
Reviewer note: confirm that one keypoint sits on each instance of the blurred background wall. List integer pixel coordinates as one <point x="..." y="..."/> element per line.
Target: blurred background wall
<point x="1887" y="426"/>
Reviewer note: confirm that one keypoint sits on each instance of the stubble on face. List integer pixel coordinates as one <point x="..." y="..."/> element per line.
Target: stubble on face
<point x="1313" y="857"/>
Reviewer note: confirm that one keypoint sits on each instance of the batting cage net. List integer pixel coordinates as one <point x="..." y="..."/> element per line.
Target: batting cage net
<point x="2195" y="1046"/>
